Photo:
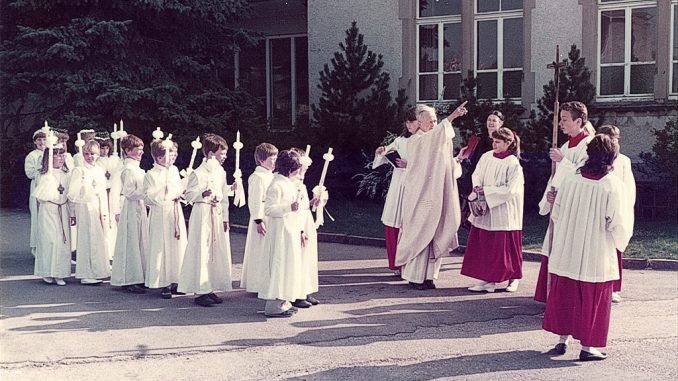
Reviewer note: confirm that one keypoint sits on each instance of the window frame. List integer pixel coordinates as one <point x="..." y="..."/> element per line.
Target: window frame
<point x="627" y="6"/>
<point x="499" y="16"/>
<point x="673" y="55"/>
<point x="439" y="22"/>
<point x="269" y="89"/>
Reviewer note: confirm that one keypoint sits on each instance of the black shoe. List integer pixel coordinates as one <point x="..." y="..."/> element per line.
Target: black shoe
<point x="588" y="356"/>
<point x="215" y="299"/>
<point x="204" y="300"/>
<point x="284" y="314"/>
<point x="560" y="348"/>
<point x="294" y="309"/>
<point x="174" y="290"/>
<point x="165" y="293"/>
<point x="301" y="303"/>
<point x="418" y="286"/>
<point x="429" y="284"/>
<point x="135" y="289"/>
<point x="312" y="300"/>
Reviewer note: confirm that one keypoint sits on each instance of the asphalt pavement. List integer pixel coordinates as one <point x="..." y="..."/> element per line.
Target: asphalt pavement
<point x="369" y="326"/>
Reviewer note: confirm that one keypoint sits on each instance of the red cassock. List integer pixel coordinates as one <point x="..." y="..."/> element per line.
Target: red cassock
<point x="493" y="256"/>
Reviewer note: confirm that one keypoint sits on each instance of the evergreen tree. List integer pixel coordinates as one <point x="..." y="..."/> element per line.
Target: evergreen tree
<point x="575" y="85"/>
<point x="88" y="63"/>
<point x="355" y="108"/>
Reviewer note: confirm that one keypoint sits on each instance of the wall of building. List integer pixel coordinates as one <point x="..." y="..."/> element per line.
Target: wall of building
<point x="553" y="23"/>
<point x="377" y="20"/>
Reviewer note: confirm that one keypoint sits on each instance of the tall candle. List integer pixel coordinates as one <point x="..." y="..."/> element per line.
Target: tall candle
<point x="328" y="157"/>
<point x="114" y="137"/>
<point x="308" y="150"/>
<point x="80" y="143"/>
<point x="121" y="127"/>
<point x="238" y="146"/>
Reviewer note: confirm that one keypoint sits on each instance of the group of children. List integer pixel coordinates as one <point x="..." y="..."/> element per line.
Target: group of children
<point x="121" y="213"/>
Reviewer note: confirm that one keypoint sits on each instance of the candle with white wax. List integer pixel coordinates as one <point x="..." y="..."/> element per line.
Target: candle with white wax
<point x="308" y="150"/>
<point x="237" y="151"/>
<point x="327" y="164"/>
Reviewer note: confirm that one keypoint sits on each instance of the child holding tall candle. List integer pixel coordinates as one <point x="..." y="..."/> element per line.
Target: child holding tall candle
<point x="87" y="192"/>
<point x="207" y="262"/>
<point x="84" y="136"/>
<point x="112" y="166"/>
<point x="53" y="246"/>
<point x="167" y="236"/>
<point x="131" y="243"/>
<point x="32" y="165"/>
<point x="255" y="264"/>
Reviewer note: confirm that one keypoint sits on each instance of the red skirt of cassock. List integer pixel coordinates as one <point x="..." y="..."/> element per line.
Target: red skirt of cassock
<point x="581" y="309"/>
<point x="541" y="291"/>
<point x="618" y="283"/>
<point x="391" y="235"/>
<point x="493" y="256"/>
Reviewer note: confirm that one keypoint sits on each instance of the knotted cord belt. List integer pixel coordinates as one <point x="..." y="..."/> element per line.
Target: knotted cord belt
<point x="215" y="210"/>
<point x="61" y="220"/>
<point x="177" y="233"/>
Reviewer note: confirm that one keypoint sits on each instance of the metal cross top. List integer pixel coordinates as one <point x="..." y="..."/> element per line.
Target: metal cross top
<point x="555" y="65"/>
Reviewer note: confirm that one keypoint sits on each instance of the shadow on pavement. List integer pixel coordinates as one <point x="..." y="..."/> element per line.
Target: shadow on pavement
<point x="449" y="367"/>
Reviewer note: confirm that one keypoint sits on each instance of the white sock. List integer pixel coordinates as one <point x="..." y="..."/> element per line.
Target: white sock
<point x="564" y="339"/>
<point x="591" y="350"/>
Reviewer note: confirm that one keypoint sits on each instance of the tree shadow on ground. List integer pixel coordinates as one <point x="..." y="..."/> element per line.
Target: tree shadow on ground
<point x="442" y="368"/>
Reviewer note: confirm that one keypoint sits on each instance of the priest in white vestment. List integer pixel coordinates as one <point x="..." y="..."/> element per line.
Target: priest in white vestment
<point x="430" y="207"/>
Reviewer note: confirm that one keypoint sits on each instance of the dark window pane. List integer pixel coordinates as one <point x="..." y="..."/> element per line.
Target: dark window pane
<point x="512" y="84"/>
<point x="643" y="34"/>
<point x="612" y="36"/>
<point x="612" y="80"/>
<point x="452" y="47"/>
<point x="301" y="67"/>
<point x="675" y="78"/>
<point x="675" y="33"/>
<point x="642" y="79"/>
<point x="487" y="85"/>
<point x="451" y="83"/>
<point x="428" y="87"/>
<point x="488" y="5"/>
<point x="428" y="8"/>
<point x="253" y="70"/>
<point x="428" y="48"/>
<point x="513" y="43"/>
<point x="487" y="44"/>
<point x="509" y="5"/>
<point x="281" y="86"/>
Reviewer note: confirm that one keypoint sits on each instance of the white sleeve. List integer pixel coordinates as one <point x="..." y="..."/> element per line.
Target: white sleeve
<point x="497" y="195"/>
<point x="273" y="206"/>
<point x="255" y="198"/>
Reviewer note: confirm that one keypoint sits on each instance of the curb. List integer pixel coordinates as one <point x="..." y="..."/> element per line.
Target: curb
<point x="532" y="256"/>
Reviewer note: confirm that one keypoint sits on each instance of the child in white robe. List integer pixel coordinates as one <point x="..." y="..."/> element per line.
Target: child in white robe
<point x="53" y="246"/>
<point x="86" y="136"/>
<point x="32" y="165"/>
<point x="284" y="239"/>
<point x="570" y="156"/>
<point x="167" y="236"/>
<point x="87" y="192"/>
<point x="255" y="263"/>
<point x="622" y="170"/>
<point x="207" y="261"/>
<point x="112" y="166"/>
<point x="131" y="243"/>
<point x="494" y="248"/>
<point x="309" y="250"/>
<point x="63" y="137"/>
<point x="589" y="227"/>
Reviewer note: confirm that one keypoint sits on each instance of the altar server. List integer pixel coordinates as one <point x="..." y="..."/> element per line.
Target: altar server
<point x="32" y="165"/>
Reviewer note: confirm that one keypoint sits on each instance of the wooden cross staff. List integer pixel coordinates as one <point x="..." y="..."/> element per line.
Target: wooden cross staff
<point x="555" y="65"/>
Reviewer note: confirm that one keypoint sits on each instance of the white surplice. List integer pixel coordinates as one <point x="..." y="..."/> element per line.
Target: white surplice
<point x="622" y="170"/>
<point x="503" y="184"/>
<point x="394" y="197"/>
<point x="53" y="246"/>
<point x="573" y="158"/>
<point x="589" y="228"/>
<point x="87" y="192"/>
<point x="167" y="227"/>
<point x="131" y="243"/>
<point x="207" y="260"/>
<point x="254" y="264"/>
<point x="112" y="166"/>
<point x="283" y="242"/>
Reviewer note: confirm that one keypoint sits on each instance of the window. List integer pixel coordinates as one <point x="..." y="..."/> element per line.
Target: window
<point x="499" y="48"/>
<point x="277" y="70"/>
<point x="674" y="48"/>
<point x="439" y="59"/>
<point x="627" y="48"/>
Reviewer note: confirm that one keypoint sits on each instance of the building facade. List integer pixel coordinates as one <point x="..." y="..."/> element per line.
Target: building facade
<point x="429" y="46"/>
